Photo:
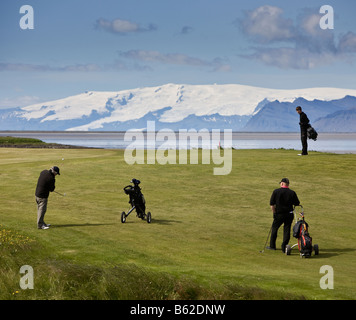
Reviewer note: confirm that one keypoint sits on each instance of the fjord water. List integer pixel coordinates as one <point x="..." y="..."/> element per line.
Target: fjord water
<point x="326" y="142"/>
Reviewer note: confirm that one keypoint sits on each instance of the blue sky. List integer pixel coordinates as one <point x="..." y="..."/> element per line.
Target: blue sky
<point x="112" y="45"/>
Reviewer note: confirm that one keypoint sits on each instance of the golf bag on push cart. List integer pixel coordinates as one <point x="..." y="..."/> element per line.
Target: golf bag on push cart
<point x="137" y="202"/>
<point x="301" y="232"/>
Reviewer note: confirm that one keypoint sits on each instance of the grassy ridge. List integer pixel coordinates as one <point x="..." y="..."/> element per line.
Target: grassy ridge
<point x="19" y="141"/>
<point x="206" y="232"/>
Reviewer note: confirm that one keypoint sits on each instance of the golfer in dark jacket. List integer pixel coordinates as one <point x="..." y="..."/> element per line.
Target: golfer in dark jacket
<point x="282" y="202"/>
<point x="304" y="125"/>
<point x="45" y="185"/>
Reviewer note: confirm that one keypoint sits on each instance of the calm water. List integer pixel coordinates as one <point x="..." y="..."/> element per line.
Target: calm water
<point x="331" y="142"/>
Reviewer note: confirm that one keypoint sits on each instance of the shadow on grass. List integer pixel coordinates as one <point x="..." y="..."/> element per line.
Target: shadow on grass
<point x="328" y="253"/>
<point x="80" y="225"/>
<point x="332" y="252"/>
<point x="157" y="221"/>
<point x="165" y="221"/>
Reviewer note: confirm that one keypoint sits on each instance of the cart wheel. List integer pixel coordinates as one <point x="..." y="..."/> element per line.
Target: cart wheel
<point x="148" y="217"/>
<point x="123" y="217"/>
<point x="316" y="249"/>
<point x="288" y="249"/>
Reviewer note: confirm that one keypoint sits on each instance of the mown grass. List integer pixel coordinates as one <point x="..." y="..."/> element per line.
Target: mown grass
<point x="60" y="279"/>
<point x="205" y="236"/>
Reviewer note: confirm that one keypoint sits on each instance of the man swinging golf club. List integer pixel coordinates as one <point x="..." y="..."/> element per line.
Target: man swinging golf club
<point x="282" y="201"/>
<point x="45" y="185"/>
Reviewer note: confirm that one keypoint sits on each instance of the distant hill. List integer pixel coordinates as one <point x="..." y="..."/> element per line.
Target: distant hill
<point x="325" y="116"/>
<point x="340" y="121"/>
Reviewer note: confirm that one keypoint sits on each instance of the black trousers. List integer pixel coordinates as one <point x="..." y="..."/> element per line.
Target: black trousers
<point x="278" y="220"/>
<point x="304" y="138"/>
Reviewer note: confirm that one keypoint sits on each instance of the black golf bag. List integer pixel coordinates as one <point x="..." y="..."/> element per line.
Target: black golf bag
<point x="137" y="202"/>
<point x="311" y="133"/>
<point x="136" y="198"/>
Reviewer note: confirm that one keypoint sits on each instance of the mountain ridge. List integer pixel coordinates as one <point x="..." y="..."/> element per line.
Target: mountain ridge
<point x="175" y="106"/>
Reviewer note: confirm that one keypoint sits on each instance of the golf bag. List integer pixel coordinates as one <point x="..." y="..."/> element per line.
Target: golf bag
<point x="137" y="202"/>
<point x="300" y="231"/>
<point x="136" y="198"/>
<point x="311" y="133"/>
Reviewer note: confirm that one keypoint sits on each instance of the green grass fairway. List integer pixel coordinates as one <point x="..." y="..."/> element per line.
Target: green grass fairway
<point x="205" y="235"/>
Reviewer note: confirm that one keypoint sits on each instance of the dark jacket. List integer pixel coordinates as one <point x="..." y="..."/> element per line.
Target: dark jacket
<point x="304" y="121"/>
<point x="284" y="199"/>
<point x="45" y="184"/>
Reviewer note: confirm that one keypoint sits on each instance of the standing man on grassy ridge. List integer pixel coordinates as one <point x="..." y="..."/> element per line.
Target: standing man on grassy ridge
<point x="45" y="185"/>
<point x="282" y="202"/>
<point x="304" y="125"/>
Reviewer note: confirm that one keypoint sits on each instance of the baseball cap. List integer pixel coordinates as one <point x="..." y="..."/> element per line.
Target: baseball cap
<point x="56" y="169"/>
<point x="285" y="180"/>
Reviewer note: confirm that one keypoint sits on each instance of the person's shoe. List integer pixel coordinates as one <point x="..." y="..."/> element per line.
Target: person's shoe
<point x="44" y="227"/>
<point x="270" y="248"/>
<point x="47" y="225"/>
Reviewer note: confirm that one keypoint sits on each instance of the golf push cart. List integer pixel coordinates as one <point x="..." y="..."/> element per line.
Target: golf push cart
<point x="137" y="202"/>
<point x="300" y="231"/>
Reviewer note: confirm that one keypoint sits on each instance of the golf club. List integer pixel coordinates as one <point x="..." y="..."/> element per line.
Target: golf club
<point x="266" y="240"/>
<point x="61" y="194"/>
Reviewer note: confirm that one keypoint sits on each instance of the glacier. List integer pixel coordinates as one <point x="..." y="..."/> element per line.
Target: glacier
<point x="175" y="106"/>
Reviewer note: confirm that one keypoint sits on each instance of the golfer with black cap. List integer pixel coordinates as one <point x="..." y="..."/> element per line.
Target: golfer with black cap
<point x="45" y="185"/>
<point x="282" y="201"/>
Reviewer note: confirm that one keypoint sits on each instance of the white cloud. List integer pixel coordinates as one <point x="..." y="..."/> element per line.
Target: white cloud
<point x="291" y="58"/>
<point x="169" y="58"/>
<point x="309" y="46"/>
<point x="120" y="26"/>
<point x="26" y="67"/>
<point x="347" y="43"/>
<point x="266" y="24"/>
<point x="176" y="59"/>
<point x="23" y="67"/>
<point x="310" y="24"/>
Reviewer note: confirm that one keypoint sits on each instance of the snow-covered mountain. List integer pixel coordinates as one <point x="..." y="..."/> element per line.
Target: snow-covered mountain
<point x="175" y="106"/>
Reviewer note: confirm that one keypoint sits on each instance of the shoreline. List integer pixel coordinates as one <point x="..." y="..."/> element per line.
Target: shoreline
<point x="327" y="142"/>
<point x="243" y="135"/>
<point x="44" y="146"/>
<point x="62" y="146"/>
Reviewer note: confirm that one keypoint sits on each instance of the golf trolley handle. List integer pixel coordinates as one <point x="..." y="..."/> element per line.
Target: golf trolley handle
<point x="299" y="205"/>
<point x="301" y="214"/>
